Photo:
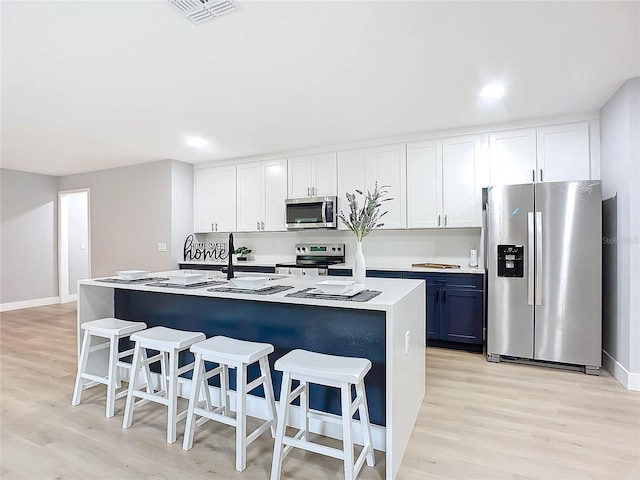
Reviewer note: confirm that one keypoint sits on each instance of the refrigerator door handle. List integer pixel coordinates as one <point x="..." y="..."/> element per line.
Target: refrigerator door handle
<point x="538" y="258"/>
<point x="530" y="258"/>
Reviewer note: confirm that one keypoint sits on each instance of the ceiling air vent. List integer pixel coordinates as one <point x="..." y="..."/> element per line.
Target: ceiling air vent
<point x="199" y="11"/>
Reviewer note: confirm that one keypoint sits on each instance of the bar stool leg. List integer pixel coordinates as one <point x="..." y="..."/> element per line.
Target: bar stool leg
<point x="268" y="394"/>
<point x="113" y="376"/>
<point x="241" y="419"/>
<point x="224" y="389"/>
<point x="135" y="367"/>
<point x="172" y="396"/>
<point x="196" y="379"/>
<point x="304" y="410"/>
<point x="347" y="440"/>
<point x="82" y="366"/>
<point x="363" y="410"/>
<point x="283" y="411"/>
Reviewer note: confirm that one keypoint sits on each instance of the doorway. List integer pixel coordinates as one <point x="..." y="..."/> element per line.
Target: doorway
<point x="74" y="242"/>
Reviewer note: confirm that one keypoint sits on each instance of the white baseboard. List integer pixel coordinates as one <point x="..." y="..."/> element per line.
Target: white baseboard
<point x="69" y="298"/>
<point x="38" y="302"/>
<point x="630" y="381"/>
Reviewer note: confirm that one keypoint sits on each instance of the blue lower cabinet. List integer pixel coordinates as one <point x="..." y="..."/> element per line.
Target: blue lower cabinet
<point x="236" y="267"/>
<point x="461" y="315"/>
<point x="454" y="309"/>
<point x="340" y="272"/>
<point x="346" y="272"/>
<point x="383" y="274"/>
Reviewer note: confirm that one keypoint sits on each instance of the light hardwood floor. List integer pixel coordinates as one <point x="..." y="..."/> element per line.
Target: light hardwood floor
<point x="479" y="420"/>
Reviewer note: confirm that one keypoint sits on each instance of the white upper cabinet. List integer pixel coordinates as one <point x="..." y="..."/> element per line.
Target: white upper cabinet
<point x="461" y="192"/>
<point x="512" y="156"/>
<point x="563" y="152"/>
<point x="313" y="176"/>
<point x="275" y="194"/>
<point x="424" y="184"/>
<point x="388" y="167"/>
<point x="554" y="153"/>
<point x="214" y="199"/>
<point x="261" y="193"/>
<point x="361" y="169"/>
<point x="443" y="188"/>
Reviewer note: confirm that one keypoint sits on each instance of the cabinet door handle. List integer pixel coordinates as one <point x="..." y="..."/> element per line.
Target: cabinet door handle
<point x="437" y="295"/>
<point x="444" y="296"/>
<point x="308" y="189"/>
<point x="445" y="220"/>
<point x="212" y="229"/>
<point x="313" y="191"/>
<point x="438" y="220"/>
<point x="533" y="176"/>
<point x="541" y="176"/>
<point x="258" y="225"/>
<point x="262" y="225"/>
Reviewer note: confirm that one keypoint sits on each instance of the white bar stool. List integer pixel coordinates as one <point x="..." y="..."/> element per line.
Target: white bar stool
<point x="230" y="353"/>
<point x="333" y="371"/>
<point x="169" y="343"/>
<point x="112" y="329"/>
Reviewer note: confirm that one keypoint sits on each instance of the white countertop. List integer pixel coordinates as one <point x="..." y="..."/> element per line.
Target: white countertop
<point x="393" y="290"/>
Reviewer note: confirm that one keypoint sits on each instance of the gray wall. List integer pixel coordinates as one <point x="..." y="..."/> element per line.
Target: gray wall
<point x="181" y="207"/>
<point x="130" y="214"/>
<point x="29" y="238"/>
<point x="620" y="172"/>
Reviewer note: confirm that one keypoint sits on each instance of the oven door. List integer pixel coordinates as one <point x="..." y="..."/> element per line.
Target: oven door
<point x="303" y="213"/>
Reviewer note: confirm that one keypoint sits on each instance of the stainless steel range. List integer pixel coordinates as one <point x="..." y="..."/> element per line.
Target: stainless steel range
<point x="313" y="259"/>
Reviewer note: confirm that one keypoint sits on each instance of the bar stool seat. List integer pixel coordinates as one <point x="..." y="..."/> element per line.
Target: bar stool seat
<point x="169" y="343"/>
<point x="112" y="329"/>
<point x="229" y="353"/>
<point x="333" y="371"/>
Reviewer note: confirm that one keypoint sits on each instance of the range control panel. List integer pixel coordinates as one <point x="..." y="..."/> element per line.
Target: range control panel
<point x="325" y="249"/>
<point x="511" y="261"/>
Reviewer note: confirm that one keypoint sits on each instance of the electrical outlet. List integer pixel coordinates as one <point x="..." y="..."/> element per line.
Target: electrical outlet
<point x="162" y="247"/>
<point x="83" y="246"/>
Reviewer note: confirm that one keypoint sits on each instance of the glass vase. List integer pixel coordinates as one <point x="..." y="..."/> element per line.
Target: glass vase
<point x="359" y="265"/>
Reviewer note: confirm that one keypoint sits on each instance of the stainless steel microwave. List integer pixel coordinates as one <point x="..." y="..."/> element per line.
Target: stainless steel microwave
<point x="312" y="212"/>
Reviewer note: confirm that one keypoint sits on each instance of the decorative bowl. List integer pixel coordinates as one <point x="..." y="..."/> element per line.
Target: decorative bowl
<point x="132" y="274"/>
<point x="335" y="287"/>
<point x="186" y="278"/>
<point x="252" y="283"/>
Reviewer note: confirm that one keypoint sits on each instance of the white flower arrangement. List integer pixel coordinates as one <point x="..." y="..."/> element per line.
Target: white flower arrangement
<point x="362" y="220"/>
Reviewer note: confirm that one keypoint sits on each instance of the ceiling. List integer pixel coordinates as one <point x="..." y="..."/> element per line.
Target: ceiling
<point x="88" y="85"/>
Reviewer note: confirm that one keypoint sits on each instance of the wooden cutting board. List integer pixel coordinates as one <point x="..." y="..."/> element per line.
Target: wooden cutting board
<point x="435" y="265"/>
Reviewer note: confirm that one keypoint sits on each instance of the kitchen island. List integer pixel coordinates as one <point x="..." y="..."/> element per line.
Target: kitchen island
<point x="389" y="329"/>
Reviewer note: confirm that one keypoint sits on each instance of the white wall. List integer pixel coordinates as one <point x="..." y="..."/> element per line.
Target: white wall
<point x="130" y="214"/>
<point x="382" y="248"/>
<point x="181" y="207"/>
<point x="28" y="239"/>
<point x="620" y="172"/>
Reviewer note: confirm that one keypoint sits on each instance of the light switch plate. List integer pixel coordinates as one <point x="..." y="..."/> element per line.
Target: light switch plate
<point x="162" y="247"/>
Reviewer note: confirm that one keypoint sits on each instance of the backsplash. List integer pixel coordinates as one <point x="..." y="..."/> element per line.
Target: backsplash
<point x="382" y="248"/>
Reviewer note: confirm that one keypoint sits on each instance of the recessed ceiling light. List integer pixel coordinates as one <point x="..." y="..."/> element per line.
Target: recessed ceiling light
<point x="197" y="142"/>
<point x="492" y="91"/>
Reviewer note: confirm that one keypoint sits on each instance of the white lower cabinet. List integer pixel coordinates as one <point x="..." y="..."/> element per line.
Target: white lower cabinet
<point x="361" y="169"/>
<point x="443" y="188"/>
<point x="261" y="193"/>
<point x="214" y="199"/>
<point x="552" y="153"/>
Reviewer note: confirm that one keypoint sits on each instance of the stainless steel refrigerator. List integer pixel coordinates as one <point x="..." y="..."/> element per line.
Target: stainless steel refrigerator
<point x="543" y="252"/>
